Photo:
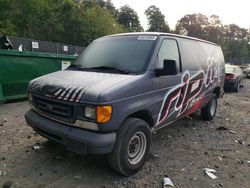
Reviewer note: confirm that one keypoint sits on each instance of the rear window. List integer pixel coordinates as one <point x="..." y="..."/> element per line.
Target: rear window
<point x="230" y="70"/>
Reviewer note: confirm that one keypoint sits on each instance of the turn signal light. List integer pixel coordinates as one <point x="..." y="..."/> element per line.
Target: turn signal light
<point x="103" y="113"/>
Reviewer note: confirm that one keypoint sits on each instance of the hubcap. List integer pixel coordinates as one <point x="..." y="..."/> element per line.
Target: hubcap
<point x="213" y="107"/>
<point x="137" y="147"/>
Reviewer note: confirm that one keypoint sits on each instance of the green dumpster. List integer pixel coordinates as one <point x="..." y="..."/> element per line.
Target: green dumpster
<point x="18" y="68"/>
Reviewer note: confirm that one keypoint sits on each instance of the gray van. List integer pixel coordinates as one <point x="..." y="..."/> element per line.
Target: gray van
<point x="123" y="87"/>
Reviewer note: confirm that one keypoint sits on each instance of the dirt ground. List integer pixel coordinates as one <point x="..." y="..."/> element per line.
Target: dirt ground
<point x="180" y="151"/>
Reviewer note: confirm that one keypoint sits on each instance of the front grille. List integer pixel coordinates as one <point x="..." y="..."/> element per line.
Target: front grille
<point x="55" y="109"/>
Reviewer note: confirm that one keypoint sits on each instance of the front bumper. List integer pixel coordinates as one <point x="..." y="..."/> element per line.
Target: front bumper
<point x="74" y="139"/>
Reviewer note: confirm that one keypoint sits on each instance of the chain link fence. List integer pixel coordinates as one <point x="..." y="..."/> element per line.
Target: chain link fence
<point x="24" y="44"/>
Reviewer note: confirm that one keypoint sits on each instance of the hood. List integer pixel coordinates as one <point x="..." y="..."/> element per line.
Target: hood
<point x="75" y="86"/>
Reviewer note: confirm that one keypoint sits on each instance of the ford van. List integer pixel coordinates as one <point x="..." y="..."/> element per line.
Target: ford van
<point x="121" y="89"/>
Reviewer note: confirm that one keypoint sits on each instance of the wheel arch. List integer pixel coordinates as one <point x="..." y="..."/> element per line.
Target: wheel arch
<point x="217" y="92"/>
<point x="144" y="115"/>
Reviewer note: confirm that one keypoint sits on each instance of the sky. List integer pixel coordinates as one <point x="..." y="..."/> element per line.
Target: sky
<point x="229" y="11"/>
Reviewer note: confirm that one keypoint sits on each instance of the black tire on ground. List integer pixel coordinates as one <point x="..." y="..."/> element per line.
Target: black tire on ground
<point x="208" y="112"/>
<point x="126" y="158"/>
<point x="237" y="87"/>
<point x="242" y="83"/>
<point x="247" y="75"/>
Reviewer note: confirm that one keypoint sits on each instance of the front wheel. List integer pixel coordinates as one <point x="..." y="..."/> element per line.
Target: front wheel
<point x="208" y="112"/>
<point x="131" y="148"/>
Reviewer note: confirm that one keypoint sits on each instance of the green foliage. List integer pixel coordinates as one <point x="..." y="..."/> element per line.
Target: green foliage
<point x="193" y="25"/>
<point x="79" y="22"/>
<point x="244" y="52"/>
<point x="68" y="21"/>
<point x="233" y="39"/>
<point x="98" y="22"/>
<point x="52" y="28"/>
<point x="6" y="25"/>
<point x="156" y="20"/>
<point x="129" y="19"/>
<point x="111" y="8"/>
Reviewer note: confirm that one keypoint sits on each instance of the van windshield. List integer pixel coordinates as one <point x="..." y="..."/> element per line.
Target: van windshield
<point x="120" y="54"/>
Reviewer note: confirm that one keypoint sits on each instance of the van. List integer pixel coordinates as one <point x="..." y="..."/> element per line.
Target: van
<point x="121" y="89"/>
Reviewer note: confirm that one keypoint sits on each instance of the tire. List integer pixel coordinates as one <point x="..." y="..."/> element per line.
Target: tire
<point x="132" y="147"/>
<point x="237" y="87"/>
<point x="248" y="75"/>
<point x="208" y="112"/>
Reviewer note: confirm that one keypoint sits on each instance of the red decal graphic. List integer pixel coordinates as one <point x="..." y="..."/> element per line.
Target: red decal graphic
<point x="187" y="96"/>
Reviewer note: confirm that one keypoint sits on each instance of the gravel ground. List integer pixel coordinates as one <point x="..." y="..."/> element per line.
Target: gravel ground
<point x="180" y="151"/>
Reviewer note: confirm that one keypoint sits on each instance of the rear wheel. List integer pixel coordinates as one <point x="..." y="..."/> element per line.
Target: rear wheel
<point x="237" y="87"/>
<point x="131" y="148"/>
<point x="248" y="74"/>
<point x="208" y="112"/>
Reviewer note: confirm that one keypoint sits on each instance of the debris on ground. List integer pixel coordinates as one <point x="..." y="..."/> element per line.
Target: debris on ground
<point x="167" y="182"/>
<point x="209" y="172"/>
<point x="221" y="184"/>
<point x="239" y="161"/>
<point x="222" y="128"/>
<point x="232" y="132"/>
<point x="220" y="158"/>
<point x="4" y="120"/>
<point x="36" y="147"/>
<point x="240" y="142"/>
<point x="156" y="156"/>
<point x="2" y="173"/>
<point x="218" y="116"/>
<point x="34" y="133"/>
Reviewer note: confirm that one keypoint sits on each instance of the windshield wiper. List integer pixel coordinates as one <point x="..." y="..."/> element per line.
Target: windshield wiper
<point x="105" y="68"/>
<point x="75" y="66"/>
<point x="113" y="69"/>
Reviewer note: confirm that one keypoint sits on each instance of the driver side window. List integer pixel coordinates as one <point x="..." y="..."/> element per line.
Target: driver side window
<point x="169" y="50"/>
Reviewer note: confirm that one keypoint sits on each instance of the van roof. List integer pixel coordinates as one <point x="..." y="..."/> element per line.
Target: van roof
<point x="162" y="34"/>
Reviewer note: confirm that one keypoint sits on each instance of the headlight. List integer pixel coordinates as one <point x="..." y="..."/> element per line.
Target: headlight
<point x="102" y="114"/>
<point x="90" y="112"/>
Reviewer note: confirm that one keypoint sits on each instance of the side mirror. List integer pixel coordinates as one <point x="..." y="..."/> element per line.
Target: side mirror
<point x="169" y="68"/>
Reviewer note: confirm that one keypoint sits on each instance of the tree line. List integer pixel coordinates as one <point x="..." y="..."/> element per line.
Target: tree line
<point x="79" y="22"/>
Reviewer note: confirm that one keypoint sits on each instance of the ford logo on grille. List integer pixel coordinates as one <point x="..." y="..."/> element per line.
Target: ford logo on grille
<point x="49" y="107"/>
